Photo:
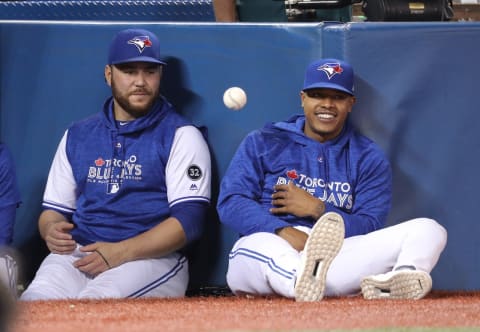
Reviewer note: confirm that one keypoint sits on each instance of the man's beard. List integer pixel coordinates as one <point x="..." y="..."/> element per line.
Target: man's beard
<point x="134" y="111"/>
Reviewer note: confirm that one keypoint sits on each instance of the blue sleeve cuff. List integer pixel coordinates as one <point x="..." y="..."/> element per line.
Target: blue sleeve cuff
<point x="191" y="216"/>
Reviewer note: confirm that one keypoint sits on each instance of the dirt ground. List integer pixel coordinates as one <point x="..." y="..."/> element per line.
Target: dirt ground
<point x="222" y="313"/>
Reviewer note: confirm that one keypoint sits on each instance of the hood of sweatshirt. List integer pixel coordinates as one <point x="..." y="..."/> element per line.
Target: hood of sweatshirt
<point x="159" y="110"/>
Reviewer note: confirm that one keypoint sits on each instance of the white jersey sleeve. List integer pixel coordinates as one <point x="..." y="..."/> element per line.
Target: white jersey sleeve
<point x="188" y="171"/>
<point x="61" y="189"/>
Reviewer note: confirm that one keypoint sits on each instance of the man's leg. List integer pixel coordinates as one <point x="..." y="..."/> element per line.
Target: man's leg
<point x="159" y="277"/>
<point x="262" y="264"/>
<point x="415" y="244"/>
<point x="410" y="277"/>
<point x="56" y="278"/>
<point x="266" y="264"/>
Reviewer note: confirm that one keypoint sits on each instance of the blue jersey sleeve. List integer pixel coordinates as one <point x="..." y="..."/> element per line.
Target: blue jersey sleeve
<point x="241" y="189"/>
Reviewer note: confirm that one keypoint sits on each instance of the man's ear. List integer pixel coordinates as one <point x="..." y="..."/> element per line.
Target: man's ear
<point x="108" y="75"/>
<point x="353" y="101"/>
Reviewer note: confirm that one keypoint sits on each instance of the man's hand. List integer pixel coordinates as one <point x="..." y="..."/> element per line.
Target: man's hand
<point x="164" y="238"/>
<point x="58" y="238"/>
<point x="296" y="238"/>
<point x="102" y="257"/>
<point x="289" y="199"/>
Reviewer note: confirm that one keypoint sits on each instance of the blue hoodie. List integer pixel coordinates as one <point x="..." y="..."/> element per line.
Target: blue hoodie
<point x="119" y="174"/>
<point x="349" y="173"/>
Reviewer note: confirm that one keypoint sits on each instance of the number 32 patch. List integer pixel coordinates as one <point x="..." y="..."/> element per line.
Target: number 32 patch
<point x="194" y="172"/>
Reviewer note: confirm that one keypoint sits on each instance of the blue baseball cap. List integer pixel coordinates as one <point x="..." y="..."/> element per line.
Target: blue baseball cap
<point x="330" y="74"/>
<point x="132" y="45"/>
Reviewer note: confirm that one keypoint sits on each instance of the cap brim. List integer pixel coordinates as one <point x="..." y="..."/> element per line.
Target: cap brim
<point x="328" y="86"/>
<point x="139" y="59"/>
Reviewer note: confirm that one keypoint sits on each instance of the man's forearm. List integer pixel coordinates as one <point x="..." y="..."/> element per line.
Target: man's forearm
<point x="48" y="217"/>
<point x="163" y="239"/>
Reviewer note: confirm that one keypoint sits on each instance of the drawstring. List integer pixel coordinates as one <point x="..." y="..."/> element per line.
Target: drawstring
<point x="117" y="164"/>
<point x="326" y="168"/>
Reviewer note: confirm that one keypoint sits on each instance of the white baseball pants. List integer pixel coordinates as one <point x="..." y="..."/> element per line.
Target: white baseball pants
<point x="57" y="278"/>
<point x="266" y="264"/>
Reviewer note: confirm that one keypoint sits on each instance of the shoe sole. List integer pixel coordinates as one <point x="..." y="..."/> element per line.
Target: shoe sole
<point x="323" y="244"/>
<point x="406" y="285"/>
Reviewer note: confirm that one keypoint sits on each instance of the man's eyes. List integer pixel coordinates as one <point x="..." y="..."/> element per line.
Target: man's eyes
<point x="319" y="95"/>
<point x="133" y="71"/>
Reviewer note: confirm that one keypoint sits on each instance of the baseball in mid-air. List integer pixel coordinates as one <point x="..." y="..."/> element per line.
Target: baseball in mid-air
<point x="235" y="98"/>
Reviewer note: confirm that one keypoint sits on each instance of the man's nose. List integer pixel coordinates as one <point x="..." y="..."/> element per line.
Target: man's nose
<point x="326" y="102"/>
<point x="140" y="79"/>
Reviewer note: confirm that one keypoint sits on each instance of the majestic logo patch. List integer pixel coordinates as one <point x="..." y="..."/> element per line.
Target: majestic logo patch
<point x="193" y="187"/>
<point x="141" y="42"/>
<point x="194" y="172"/>
<point x="331" y="69"/>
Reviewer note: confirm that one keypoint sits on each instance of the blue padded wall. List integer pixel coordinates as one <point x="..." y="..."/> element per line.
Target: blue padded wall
<point x="417" y="97"/>
<point x="415" y="91"/>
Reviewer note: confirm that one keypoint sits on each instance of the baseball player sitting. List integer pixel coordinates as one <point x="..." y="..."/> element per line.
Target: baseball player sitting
<point x="127" y="189"/>
<point x="310" y="196"/>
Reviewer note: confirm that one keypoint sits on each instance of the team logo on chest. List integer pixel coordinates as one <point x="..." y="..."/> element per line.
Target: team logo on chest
<point x="292" y="174"/>
<point x="113" y="172"/>
<point x="338" y="193"/>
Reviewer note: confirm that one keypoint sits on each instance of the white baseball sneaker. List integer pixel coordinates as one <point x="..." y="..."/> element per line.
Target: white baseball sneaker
<point x="323" y="244"/>
<point x="399" y="284"/>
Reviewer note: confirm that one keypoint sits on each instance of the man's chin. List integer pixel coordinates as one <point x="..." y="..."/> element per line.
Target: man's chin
<point x="138" y="112"/>
<point x="139" y="109"/>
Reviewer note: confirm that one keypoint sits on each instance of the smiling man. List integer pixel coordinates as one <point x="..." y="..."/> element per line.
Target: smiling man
<point x="309" y="198"/>
<point x="128" y="188"/>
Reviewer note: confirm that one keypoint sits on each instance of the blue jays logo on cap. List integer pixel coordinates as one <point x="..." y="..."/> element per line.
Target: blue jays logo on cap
<point x="331" y="69"/>
<point x="140" y="42"/>
<point x="134" y="45"/>
<point x="329" y="74"/>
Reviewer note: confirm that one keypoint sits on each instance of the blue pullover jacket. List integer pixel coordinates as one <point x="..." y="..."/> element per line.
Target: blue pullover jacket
<point x="119" y="173"/>
<point x="349" y="173"/>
